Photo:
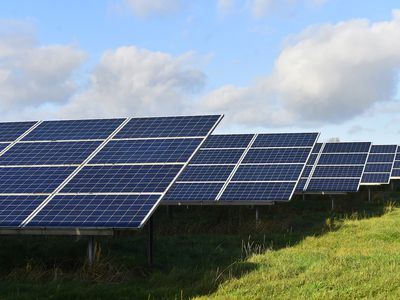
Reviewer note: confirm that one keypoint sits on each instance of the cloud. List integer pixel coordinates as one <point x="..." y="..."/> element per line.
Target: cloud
<point x="32" y="75"/>
<point x="326" y="74"/>
<point x="261" y="8"/>
<point x="225" y="7"/>
<point x="134" y="81"/>
<point x="145" y="8"/>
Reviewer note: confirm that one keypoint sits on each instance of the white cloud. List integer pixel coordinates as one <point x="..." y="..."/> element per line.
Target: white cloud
<point x="32" y="75"/>
<point x="145" y="8"/>
<point x="134" y="81"/>
<point x="261" y="8"/>
<point x="326" y="74"/>
<point x="225" y="7"/>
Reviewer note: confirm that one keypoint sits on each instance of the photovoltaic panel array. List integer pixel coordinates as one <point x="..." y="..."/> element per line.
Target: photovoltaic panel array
<point x="243" y="169"/>
<point x="396" y="165"/>
<point x="379" y="165"/>
<point x="338" y="168"/>
<point x="107" y="173"/>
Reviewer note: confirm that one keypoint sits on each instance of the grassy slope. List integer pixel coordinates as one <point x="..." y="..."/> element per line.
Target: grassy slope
<point x="360" y="259"/>
<point x="208" y="252"/>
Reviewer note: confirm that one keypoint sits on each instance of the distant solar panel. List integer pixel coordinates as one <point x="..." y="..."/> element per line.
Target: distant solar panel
<point x="379" y="165"/>
<point x="243" y="169"/>
<point x="338" y="168"/>
<point x="396" y="165"/>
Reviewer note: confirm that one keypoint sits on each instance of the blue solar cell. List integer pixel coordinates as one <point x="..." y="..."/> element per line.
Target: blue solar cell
<point x="383" y="149"/>
<point x="268" y="173"/>
<point x="395" y="173"/>
<point x="376" y="178"/>
<point x="168" y="127"/>
<point x="228" y="141"/>
<point x="258" y="191"/>
<point x="147" y="151"/>
<point x="193" y="192"/>
<point x="381" y="158"/>
<point x="346" y="147"/>
<point x="74" y="130"/>
<point x="10" y="131"/>
<point x="14" y="209"/>
<point x="343" y="159"/>
<point x="396" y="164"/>
<point x="229" y="156"/>
<point x="33" y="179"/>
<point x="119" y="179"/>
<point x="277" y="156"/>
<point x="285" y="140"/>
<point x="43" y="153"/>
<point x="378" y="168"/>
<point x="206" y="173"/>
<point x="333" y="185"/>
<point x="338" y="171"/>
<point x="113" y="211"/>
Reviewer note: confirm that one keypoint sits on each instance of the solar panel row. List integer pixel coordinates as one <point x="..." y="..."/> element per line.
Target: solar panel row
<point x="117" y="168"/>
<point x="379" y="165"/>
<point x="338" y="168"/>
<point x="244" y="169"/>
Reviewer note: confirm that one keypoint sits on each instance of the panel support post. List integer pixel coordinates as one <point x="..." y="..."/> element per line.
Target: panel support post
<point x="150" y="243"/>
<point x="90" y="251"/>
<point x="169" y="212"/>
<point x="257" y="216"/>
<point x="369" y="194"/>
<point x="332" y="203"/>
<point x="392" y="185"/>
<point x="304" y="197"/>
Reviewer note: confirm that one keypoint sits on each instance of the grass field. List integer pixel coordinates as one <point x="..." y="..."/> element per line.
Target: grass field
<point x="298" y="250"/>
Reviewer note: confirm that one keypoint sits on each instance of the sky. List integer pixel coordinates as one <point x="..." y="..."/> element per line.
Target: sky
<point x="330" y="66"/>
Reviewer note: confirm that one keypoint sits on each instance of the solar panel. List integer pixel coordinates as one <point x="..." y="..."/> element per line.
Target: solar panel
<point x="338" y="168"/>
<point x="379" y="165"/>
<point x="48" y="153"/>
<point x="122" y="179"/>
<point x="31" y="180"/>
<point x="120" y="182"/>
<point x="95" y="211"/>
<point x="184" y="126"/>
<point x="227" y="170"/>
<point x="74" y="130"/>
<point x="10" y="131"/>
<point x="15" y="208"/>
<point x="147" y="151"/>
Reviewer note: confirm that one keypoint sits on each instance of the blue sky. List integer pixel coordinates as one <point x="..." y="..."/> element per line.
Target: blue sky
<point x="289" y="65"/>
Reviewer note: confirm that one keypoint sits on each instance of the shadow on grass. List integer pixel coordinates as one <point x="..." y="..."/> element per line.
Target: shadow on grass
<point x="196" y="249"/>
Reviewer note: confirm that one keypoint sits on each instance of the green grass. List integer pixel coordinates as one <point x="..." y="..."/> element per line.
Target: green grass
<point x="359" y="260"/>
<point x="298" y="250"/>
